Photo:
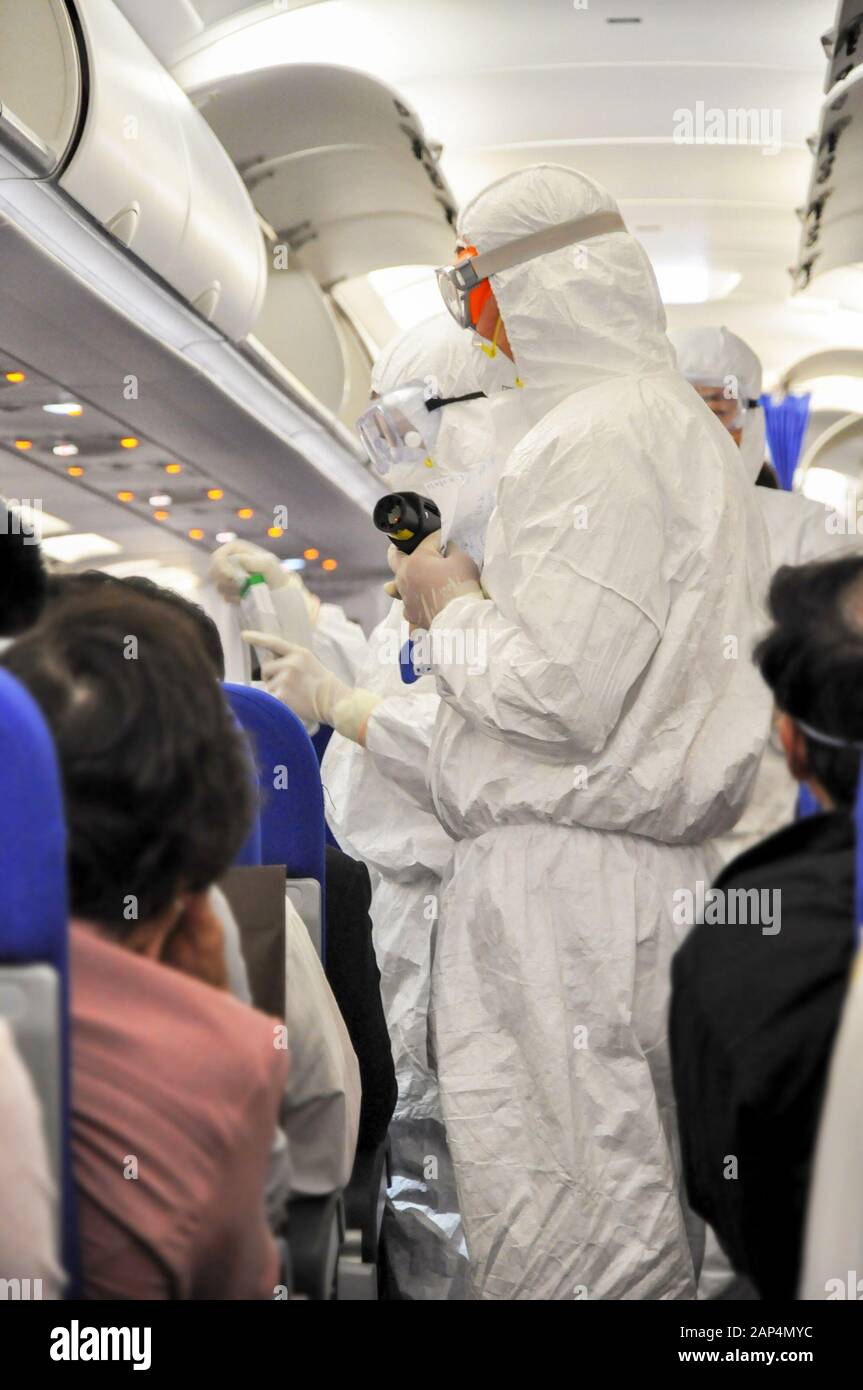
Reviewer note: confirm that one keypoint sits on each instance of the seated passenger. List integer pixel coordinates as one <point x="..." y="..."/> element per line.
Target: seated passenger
<point x="175" y="1085"/>
<point x="322" y="1106"/>
<point x="326" y="1114"/>
<point x="758" y="985"/>
<point x="22" y="575"/>
<point x="325" y="1097"/>
<point x="28" y="1198"/>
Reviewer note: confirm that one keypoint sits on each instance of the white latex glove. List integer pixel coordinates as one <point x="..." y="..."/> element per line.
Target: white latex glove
<point x="303" y="683"/>
<point x="253" y="559"/>
<point x="427" y="581"/>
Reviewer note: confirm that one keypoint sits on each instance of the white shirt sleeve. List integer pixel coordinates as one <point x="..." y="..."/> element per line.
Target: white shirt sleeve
<point x="833" y="1256"/>
<point x="321" y="1110"/>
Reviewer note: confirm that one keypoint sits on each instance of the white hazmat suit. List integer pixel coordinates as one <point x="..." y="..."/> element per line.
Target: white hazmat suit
<point x="798" y="531"/>
<point x="615" y="726"/>
<point x="380" y="810"/>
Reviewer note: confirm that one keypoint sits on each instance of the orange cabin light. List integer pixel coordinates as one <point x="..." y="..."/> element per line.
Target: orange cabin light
<point x="330" y="565"/>
<point x="161" y="516"/>
<point x="311" y="553"/>
<point x="215" y="494"/>
<point x="275" y="531"/>
<point x="16" y="377"/>
<point x="23" y="443"/>
<point x="75" y="471"/>
<point x="130" y="442"/>
<point x="195" y="534"/>
<point x="246" y="513"/>
<point x="125" y="496"/>
<point x="173" y="468"/>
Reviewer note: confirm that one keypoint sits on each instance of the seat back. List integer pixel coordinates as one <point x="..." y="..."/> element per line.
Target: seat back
<point x="320" y="742"/>
<point x="807" y="804"/>
<point x="291" y="809"/>
<point x="859" y="890"/>
<point x="34" y="926"/>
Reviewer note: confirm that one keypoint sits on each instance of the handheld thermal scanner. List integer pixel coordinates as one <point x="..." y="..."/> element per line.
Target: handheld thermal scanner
<point x="407" y="518"/>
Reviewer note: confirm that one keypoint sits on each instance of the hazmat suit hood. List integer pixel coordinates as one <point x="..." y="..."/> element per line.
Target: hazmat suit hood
<point x="473" y="437"/>
<point x="717" y="357"/>
<point x="445" y="359"/>
<point x="577" y="316"/>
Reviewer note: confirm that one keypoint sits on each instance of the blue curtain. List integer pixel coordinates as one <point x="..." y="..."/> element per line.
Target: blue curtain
<point x="786" y="425"/>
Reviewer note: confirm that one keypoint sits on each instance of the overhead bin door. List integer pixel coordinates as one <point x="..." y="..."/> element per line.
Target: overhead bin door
<point x="40" y="84"/>
<point x="844" y="42"/>
<point x="338" y="165"/>
<point x="832" y="216"/>
<point x="297" y="326"/>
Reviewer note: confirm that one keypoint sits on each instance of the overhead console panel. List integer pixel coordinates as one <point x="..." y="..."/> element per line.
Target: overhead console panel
<point x="149" y="169"/>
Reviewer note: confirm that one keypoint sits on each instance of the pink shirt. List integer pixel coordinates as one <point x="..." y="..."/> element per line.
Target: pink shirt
<point x="181" y="1084"/>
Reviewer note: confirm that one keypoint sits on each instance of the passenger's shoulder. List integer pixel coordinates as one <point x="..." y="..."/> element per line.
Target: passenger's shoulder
<point x="124" y="1001"/>
<point x="796" y="855"/>
<point x="252" y="1045"/>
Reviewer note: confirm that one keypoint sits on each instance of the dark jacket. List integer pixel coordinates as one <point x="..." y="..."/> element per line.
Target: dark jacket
<point x="753" y="1020"/>
<point x="352" y="972"/>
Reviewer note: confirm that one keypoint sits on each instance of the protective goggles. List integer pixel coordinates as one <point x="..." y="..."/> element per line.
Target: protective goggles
<point x="464" y="286"/>
<point x="403" y="425"/>
<point x="730" y="411"/>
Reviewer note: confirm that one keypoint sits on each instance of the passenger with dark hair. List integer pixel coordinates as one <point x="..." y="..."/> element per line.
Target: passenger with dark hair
<point x="351" y="968"/>
<point x="207" y="632"/>
<point x="62" y="587"/>
<point x="758" y="985"/>
<point x="22" y="574"/>
<point x="176" y="1086"/>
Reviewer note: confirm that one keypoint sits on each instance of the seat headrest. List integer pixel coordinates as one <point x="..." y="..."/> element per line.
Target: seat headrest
<point x="291" y="797"/>
<point x="33" y="897"/>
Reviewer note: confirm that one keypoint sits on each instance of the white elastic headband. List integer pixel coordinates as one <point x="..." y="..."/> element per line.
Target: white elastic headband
<point x="540" y="243"/>
<point x="827" y="739"/>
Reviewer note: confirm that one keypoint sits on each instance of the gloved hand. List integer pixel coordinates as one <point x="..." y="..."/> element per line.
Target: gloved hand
<point x="253" y="559"/>
<point x="303" y="683"/>
<point x="427" y="581"/>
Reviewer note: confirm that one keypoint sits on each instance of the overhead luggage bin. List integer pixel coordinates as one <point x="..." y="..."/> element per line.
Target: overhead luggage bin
<point x="148" y="168"/>
<point x="347" y="207"/>
<point x="843" y="43"/>
<point x="830" y="362"/>
<point x="831" y="243"/>
<point x="40" y="85"/>
<point x="836" y="450"/>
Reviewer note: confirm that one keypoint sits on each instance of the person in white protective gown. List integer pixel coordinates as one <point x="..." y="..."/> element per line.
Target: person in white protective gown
<point x="337" y="641"/>
<point x="728" y="376"/>
<point x="376" y="794"/>
<point x="615" y="727"/>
